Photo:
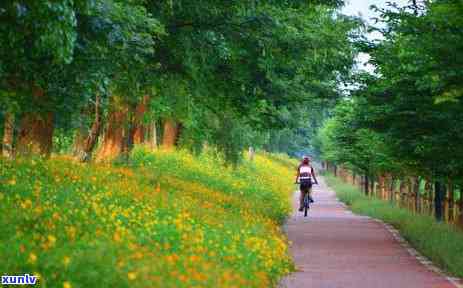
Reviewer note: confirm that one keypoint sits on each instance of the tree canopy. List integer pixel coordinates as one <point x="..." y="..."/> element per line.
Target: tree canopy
<point x="217" y="72"/>
<point x="411" y="109"/>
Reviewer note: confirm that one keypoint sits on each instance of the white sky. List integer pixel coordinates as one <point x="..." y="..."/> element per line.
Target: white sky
<point x="361" y="8"/>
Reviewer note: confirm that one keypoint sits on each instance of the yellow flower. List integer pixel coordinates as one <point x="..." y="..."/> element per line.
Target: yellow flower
<point x="66" y="260"/>
<point x="71" y="232"/>
<point x="26" y="204"/>
<point x="32" y="258"/>
<point x="132" y="275"/>
<point x="117" y="237"/>
<point x="51" y="240"/>
<point x="66" y="284"/>
<point x="38" y="275"/>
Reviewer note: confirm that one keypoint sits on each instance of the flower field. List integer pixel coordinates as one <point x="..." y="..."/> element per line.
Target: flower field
<point x="168" y="219"/>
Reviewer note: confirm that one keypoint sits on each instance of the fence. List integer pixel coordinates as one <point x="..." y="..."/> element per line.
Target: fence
<point x="414" y="193"/>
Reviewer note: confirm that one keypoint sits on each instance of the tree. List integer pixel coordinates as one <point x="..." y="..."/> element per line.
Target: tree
<point x="59" y="55"/>
<point x="413" y="102"/>
<point x="203" y="69"/>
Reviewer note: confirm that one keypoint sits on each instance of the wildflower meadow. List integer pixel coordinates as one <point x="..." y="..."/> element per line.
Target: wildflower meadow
<point x="167" y="219"/>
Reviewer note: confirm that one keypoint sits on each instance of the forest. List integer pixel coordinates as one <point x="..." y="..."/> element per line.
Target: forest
<point x="95" y="78"/>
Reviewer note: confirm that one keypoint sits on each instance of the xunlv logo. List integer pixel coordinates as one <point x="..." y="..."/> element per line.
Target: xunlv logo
<point x="19" y="280"/>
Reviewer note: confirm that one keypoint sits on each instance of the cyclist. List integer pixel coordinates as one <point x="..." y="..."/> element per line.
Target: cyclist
<point x="305" y="173"/>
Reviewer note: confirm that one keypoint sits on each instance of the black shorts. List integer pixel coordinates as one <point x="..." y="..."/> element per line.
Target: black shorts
<point x="305" y="186"/>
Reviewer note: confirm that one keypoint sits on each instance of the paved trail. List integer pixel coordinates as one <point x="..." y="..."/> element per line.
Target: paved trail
<point x="334" y="248"/>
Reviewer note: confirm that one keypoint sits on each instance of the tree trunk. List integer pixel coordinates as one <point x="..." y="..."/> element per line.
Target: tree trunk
<point x="79" y="140"/>
<point x="461" y="209"/>
<point x="366" y="185"/>
<point x="416" y="193"/>
<point x="438" y="199"/>
<point x="86" y="140"/>
<point x="139" y="129"/>
<point x="392" y="189"/>
<point x="36" y="134"/>
<point x="411" y="193"/>
<point x="153" y="139"/>
<point x="36" y="129"/>
<point x="8" y="136"/>
<point x="451" y="201"/>
<point x="382" y="187"/>
<point x="401" y="192"/>
<point x="429" y="197"/>
<point x="128" y="140"/>
<point x="251" y="153"/>
<point x="115" y="132"/>
<point x="372" y="186"/>
<point x="95" y="130"/>
<point x="171" y="133"/>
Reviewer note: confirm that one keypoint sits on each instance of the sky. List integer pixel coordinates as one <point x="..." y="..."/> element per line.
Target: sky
<point x="361" y="8"/>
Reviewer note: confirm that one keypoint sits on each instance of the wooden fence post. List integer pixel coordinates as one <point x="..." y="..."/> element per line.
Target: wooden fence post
<point x="461" y="207"/>
<point x="416" y="188"/>
<point x="366" y="184"/>
<point x="382" y="187"/>
<point x="410" y="193"/>
<point x="440" y="191"/>
<point x="391" y="189"/>
<point x="427" y="199"/>
<point x="401" y="192"/>
<point x="450" y="207"/>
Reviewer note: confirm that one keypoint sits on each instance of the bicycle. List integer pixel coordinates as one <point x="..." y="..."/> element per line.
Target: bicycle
<point x="306" y="203"/>
<point x="307" y="200"/>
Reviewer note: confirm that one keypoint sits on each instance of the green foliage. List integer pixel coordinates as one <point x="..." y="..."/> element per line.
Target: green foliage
<point x="72" y="51"/>
<point x="414" y="103"/>
<point x="406" y="118"/>
<point x="213" y="66"/>
<point x="343" y="140"/>
<point x="442" y="243"/>
<point x="246" y="62"/>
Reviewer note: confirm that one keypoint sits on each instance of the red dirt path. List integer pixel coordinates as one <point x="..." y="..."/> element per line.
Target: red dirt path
<point x="334" y="248"/>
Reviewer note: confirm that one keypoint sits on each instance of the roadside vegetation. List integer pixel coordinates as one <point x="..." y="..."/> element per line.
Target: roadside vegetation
<point x="403" y="125"/>
<point x="442" y="243"/>
<point x="167" y="219"/>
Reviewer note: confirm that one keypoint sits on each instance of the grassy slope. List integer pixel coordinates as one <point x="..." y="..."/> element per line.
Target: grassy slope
<point x="441" y="243"/>
<point x="170" y="220"/>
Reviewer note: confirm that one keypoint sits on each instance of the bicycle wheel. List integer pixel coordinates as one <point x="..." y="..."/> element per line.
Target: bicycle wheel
<point x="306" y="204"/>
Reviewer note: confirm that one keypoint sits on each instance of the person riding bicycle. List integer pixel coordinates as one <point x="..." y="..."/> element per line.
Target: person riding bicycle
<point x="305" y="174"/>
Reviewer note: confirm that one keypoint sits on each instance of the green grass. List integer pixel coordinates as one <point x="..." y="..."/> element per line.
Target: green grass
<point x="169" y="219"/>
<point x="440" y="242"/>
